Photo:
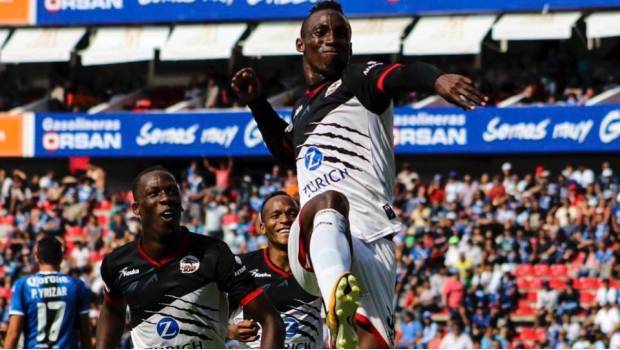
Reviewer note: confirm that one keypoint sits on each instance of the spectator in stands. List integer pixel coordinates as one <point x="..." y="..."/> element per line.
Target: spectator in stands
<point x="546" y="300"/>
<point x="607" y="318"/>
<point x="456" y="338"/>
<point x="606" y="294"/>
<point x="410" y="329"/>
<point x="569" y="300"/>
<point x="453" y="293"/>
<point x="222" y="173"/>
<point x="429" y="331"/>
<point x="212" y="93"/>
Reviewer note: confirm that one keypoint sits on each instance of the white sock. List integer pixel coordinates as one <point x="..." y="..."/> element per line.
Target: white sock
<point x="329" y="250"/>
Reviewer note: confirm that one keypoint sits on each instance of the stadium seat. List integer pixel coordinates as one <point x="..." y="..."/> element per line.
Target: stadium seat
<point x="532" y="334"/>
<point x="532" y="296"/>
<point x="557" y="283"/>
<point x="523" y="303"/>
<point x="523" y="283"/>
<point x="559" y="270"/>
<point x="589" y="283"/>
<point x="587" y="299"/>
<point x="542" y="270"/>
<point x="614" y="284"/>
<point x="524" y="270"/>
<point x="536" y="283"/>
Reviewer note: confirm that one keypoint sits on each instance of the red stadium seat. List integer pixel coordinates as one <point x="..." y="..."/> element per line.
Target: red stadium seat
<point x="523" y="283"/>
<point x="614" y="284"/>
<point x="532" y="334"/>
<point x="557" y="283"/>
<point x="523" y="303"/>
<point x="542" y="270"/>
<point x="589" y="283"/>
<point x="532" y="296"/>
<point x="524" y="311"/>
<point x="536" y="283"/>
<point x="587" y="298"/>
<point x="559" y="270"/>
<point x="524" y="270"/>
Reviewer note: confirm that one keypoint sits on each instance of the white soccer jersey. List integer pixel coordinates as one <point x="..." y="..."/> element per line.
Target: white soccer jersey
<point x="342" y="133"/>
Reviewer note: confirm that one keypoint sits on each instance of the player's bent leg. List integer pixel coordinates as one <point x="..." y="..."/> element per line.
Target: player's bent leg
<point x="325" y="231"/>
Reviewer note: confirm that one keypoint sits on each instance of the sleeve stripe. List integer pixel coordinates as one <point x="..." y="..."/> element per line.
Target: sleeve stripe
<point x="84" y="312"/>
<point x="15" y="312"/>
<point x="384" y="75"/>
<point x="251" y="296"/>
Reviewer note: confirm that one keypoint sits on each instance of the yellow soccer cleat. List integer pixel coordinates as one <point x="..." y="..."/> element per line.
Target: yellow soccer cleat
<point x="343" y="303"/>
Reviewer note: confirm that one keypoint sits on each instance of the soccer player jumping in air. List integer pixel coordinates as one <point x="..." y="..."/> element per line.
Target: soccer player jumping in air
<point x="340" y="139"/>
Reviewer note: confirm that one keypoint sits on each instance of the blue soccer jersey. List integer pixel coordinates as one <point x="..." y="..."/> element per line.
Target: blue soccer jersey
<point x="51" y="304"/>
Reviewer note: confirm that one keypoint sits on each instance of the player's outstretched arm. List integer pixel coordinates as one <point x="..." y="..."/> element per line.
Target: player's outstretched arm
<point x="14" y="330"/>
<point x="110" y="325"/>
<point x="246" y="85"/>
<point x="261" y="310"/>
<point x="454" y="88"/>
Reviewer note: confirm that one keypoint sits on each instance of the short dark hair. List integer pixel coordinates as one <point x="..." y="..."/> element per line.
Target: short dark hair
<point x="271" y="196"/>
<point x="136" y="180"/>
<point x="321" y="5"/>
<point x="49" y="250"/>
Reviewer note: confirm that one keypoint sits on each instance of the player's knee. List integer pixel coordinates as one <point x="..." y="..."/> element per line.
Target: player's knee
<point x="334" y="200"/>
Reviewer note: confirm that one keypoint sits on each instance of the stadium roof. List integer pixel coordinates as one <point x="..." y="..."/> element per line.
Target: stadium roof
<point x="535" y="26"/>
<point x="124" y="44"/>
<point x="201" y="41"/>
<point x="272" y="39"/>
<point x="30" y="45"/>
<point x="448" y="35"/>
<point x="603" y="25"/>
<point x="377" y="35"/>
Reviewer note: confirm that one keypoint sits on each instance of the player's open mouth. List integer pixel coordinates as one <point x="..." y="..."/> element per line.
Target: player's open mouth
<point x="284" y="231"/>
<point x="168" y="214"/>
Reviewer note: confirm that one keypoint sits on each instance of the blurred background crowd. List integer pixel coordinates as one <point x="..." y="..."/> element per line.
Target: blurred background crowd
<point x="513" y="258"/>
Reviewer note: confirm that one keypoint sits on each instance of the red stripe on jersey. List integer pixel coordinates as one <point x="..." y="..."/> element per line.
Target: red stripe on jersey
<point x="163" y="261"/>
<point x="366" y="325"/>
<point x="384" y="75"/>
<point x="251" y="296"/>
<point x="273" y="266"/>
<point x="316" y="90"/>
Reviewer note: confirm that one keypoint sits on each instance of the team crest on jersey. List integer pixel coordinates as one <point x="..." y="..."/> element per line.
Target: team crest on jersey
<point x="333" y="87"/>
<point x="189" y="264"/>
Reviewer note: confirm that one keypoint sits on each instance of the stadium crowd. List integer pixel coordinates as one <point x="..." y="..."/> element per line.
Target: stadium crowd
<point x="509" y="259"/>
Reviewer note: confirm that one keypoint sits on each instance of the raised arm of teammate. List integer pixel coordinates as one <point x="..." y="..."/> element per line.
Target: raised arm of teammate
<point x="111" y="324"/>
<point x="271" y="126"/>
<point x="261" y="310"/>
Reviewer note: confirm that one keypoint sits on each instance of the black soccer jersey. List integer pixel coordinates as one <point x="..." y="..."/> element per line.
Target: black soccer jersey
<point x="300" y="311"/>
<point x="181" y="301"/>
<point x="342" y="139"/>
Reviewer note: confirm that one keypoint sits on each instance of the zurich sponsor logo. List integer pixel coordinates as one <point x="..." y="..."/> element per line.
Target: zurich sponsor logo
<point x="291" y="325"/>
<point x="168" y="328"/>
<point x="610" y="127"/>
<point x="313" y="158"/>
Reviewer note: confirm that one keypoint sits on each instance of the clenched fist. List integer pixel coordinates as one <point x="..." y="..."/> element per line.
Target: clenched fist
<point x="246" y="85"/>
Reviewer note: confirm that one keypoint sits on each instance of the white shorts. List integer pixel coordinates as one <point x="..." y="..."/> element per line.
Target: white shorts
<point x="374" y="265"/>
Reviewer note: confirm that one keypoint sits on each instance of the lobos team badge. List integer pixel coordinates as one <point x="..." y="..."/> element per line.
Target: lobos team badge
<point x="333" y="87"/>
<point x="189" y="264"/>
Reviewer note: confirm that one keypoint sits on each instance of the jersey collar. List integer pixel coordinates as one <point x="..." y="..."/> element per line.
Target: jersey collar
<point x="273" y="267"/>
<point x="314" y="89"/>
<point x="165" y="260"/>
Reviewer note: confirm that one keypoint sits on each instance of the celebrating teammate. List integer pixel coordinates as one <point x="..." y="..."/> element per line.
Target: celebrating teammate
<point x="178" y="285"/>
<point x="341" y="142"/>
<point x="51" y="308"/>
<point x="300" y="311"/>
